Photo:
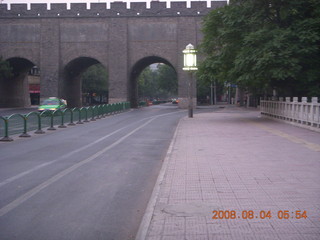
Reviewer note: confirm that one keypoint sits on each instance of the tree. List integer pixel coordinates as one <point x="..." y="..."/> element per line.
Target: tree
<point x="5" y="69"/>
<point x="263" y="45"/>
<point x="95" y="81"/>
<point x="147" y="84"/>
<point x="206" y="88"/>
<point x="160" y="83"/>
<point x="167" y="80"/>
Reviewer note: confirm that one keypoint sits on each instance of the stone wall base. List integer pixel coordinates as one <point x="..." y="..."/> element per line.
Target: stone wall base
<point x="184" y="103"/>
<point x="117" y="100"/>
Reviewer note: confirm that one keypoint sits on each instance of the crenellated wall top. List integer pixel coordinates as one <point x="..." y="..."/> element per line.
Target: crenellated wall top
<point x="116" y="9"/>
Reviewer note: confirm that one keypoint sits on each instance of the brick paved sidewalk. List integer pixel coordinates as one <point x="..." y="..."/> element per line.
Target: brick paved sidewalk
<point x="233" y="160"/>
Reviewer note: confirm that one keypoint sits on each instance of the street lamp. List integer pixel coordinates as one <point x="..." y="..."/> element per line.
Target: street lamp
<point x="190" y="65"/>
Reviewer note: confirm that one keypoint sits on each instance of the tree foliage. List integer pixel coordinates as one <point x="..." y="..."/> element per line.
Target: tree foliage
<point x="5" y="69"/>
<point x="167" y="79"/>
<point x="147" y="84"/>
<point x="160" y="83"/>
<point x="263" y="45"/>
<point x="95" y="80"/>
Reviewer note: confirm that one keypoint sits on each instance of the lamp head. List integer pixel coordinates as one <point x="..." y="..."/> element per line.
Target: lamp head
<point x="190" y="58"/>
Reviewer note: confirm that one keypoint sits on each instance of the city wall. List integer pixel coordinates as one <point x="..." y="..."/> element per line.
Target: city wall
<point x="64" y="42"/>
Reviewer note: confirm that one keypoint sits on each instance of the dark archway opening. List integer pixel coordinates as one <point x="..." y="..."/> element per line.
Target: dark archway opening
<point x="14" y="90"/>
<point x="73" y="73"/>
<point x="139" y="68"/>
<point x="95" y="85"/>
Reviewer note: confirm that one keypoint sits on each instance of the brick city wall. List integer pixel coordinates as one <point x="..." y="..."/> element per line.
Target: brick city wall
<point x="63" y="42"/>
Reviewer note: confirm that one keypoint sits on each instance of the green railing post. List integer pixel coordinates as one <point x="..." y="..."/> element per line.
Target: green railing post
<point x="79" y="120"/>
<point x="51" y="128"/>
<point x="86" y="114"/>
<point x="108" y="109"/>
<point x="71" y="118"/>
<point x="103" y="110"/>
<point x="98" y="111"/>
<point x="43" y="114"/>
<point x="113" y="108"/>
<point x="97" y="107"/>
<point x="62" y="119"/>
<point x="6" y="137"/>
<point x="24" y="134"/>
<point x="92" y="114"/>
<point x="39" y="130"/>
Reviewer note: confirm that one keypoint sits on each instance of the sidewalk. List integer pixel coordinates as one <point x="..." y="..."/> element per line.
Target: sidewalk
<point x="256" y="171"/>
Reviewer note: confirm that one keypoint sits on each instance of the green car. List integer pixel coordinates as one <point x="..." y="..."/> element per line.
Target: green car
<point x="52" y="104"/>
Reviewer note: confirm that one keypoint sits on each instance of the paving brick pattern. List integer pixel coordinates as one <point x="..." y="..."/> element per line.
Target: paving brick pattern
<point x="235" y="160"/>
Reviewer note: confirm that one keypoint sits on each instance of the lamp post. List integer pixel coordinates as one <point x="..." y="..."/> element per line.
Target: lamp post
<point x="190" y="65"/>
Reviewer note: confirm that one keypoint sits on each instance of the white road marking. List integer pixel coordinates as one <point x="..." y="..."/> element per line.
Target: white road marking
<point x="17" y="202"/>
<point x="11" y="179"/>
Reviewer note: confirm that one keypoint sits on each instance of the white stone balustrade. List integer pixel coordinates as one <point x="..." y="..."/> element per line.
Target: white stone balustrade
<point x="303" y="113"/>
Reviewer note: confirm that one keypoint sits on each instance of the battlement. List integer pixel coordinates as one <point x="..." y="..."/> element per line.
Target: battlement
<point x="117" y="9"/>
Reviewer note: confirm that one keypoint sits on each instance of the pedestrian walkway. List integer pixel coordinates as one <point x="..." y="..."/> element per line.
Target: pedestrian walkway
<point x="231" y="174"/>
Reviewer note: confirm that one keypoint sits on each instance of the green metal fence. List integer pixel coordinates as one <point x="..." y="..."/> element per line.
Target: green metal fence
<point x="49" y="120"/>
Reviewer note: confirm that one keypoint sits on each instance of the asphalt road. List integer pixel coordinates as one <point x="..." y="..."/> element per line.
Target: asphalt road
<point x="90" y="181"/>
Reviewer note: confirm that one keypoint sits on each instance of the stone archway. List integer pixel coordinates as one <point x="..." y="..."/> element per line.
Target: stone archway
<point x="136" y="70"/>
<point x="14" y="92"/>
<point x="72" y="79"/>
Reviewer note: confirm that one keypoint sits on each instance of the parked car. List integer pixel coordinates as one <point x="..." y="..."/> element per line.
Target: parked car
<point x="52" y="104"/>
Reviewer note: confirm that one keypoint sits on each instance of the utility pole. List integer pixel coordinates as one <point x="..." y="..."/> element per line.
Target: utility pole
<point x="211" y="93"/>
<point x="229" y="93"/>
<point x="236" y="96"/>
<point x="215" y="93"/>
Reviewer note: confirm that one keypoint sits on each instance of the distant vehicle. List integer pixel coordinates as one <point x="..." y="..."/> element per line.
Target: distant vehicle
<point x="175" y="101"/>
<point x="52" y="104"/>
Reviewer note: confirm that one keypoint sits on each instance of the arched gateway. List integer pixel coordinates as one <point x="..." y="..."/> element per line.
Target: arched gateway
<point x="65" y="42"/>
